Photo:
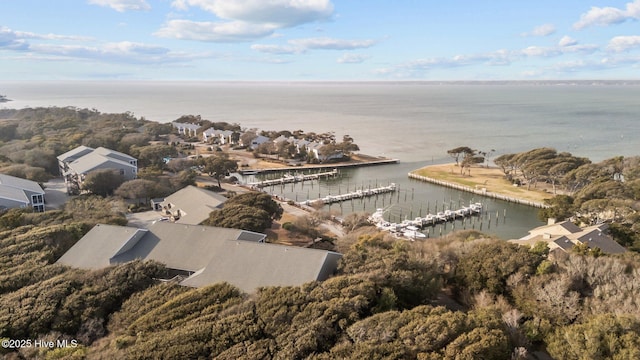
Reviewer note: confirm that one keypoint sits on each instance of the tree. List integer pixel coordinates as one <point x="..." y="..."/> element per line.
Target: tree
<point x="561" y="208"/>
<point x="219" y="166"/>
<point x="258" y="200"/>
<point x="153" y="155"/>
<point x="239" y="216"/>
<point x="470" y="159"/>
<point x="455" y="153"/>
<point x="139" y="189"/>
<point x="103" y="182"/>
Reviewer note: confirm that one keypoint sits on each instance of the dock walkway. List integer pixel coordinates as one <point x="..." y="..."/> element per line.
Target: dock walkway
<point x="288" y="179"/>
<point x="319" y="166"/>
<point x="361" y="193"/>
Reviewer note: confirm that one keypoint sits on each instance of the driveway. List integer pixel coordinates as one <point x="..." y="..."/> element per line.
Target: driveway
<point x="55" y="193"/>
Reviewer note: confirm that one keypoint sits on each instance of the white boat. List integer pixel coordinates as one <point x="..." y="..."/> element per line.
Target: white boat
<point x="412" y="232"/>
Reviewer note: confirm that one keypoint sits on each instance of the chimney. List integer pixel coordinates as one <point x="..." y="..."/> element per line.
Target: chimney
<point x="551" y="221"/>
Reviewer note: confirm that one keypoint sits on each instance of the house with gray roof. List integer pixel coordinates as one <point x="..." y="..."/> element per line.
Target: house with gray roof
<point x="565" y="235"/>
<point x="16" y="192"/>
<point x="203" y="255"/>
<point x="222" y="137"/>
<point x="77" y="163"/>
<point x="191" y="205"/>
<point x="187" y="129"/>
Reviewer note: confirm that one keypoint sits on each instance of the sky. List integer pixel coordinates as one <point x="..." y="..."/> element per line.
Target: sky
<point x="319" y="40"/>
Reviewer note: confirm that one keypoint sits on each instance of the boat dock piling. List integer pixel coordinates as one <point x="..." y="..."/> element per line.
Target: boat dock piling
<point x="287" y="179"/>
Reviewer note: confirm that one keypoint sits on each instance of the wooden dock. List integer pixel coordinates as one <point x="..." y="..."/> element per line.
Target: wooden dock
<point x="245" y="172"/>
<point x="361" y="193"/>
<point x="288" y="179"/>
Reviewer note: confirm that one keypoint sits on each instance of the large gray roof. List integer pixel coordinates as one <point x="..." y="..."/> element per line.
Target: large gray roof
<point x="250" y="265"/>
<point x="20" y="183"/>
<point x="99" y="245"/>
<point x="75" y="153"/>
<point x="195" y="203"/>
<point x="209" y="254"/>
<point x="95" y="160"/>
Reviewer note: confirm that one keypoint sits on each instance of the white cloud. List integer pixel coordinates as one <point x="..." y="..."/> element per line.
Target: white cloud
<point x="331" y="44"/>
<point x="16" y="40"/>
<point x="604" y="16"/>
<point x="244" y="20"/>
<point x="542" y="30"/>
<point x="623" y="43"/>
<point x="567" y="41"/>
<point x="283" y="13"/>
<point x="123" y="5"/>
<point x="352" y="58"/>
<point x="540" y="51"/>
<point x="277" y="49"/>
<point x="298" y="46"/>
<point x="232" y="31"/>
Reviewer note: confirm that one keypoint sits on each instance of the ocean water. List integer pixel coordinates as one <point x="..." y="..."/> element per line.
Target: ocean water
<point x="414" y="122"/>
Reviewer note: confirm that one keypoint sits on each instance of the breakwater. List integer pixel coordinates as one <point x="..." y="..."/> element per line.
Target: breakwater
<point x="482" y="192"/>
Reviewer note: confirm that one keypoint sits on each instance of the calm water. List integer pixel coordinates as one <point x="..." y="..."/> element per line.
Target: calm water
<point x="415" y="123"/>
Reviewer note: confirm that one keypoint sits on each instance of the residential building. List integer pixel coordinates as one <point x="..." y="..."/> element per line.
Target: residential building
<point x="77" y="163"/>
<point x="191" y="205"/>
<point x="187" y="129"/>
<point x="222" y="137"/>
<point x="20" y="193"/>
<point x="565" y="235"/>
<point x="201" y="255"/>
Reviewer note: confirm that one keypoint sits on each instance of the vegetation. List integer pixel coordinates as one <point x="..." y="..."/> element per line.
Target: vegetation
<point x="464" y="296"/>
<point x="587" y="193"/>
<point x="251" y="211"/>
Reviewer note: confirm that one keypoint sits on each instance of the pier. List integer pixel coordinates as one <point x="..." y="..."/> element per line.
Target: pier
<point x="361" y="193"/>
<point x="315" y="167"/>
<point x="288" y="179"/>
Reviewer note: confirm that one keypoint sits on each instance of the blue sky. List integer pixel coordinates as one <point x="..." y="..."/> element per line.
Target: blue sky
<point x="309" y="40"/>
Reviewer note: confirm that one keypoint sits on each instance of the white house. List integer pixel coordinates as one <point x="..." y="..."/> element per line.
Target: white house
<point x="77" y="163"/>
<point x="20" y="193"/>
<point x="186" y="128"/>
<point x="222" y="136"/>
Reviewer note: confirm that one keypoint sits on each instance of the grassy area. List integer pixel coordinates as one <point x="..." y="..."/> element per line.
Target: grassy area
<point x="481" y="177"/>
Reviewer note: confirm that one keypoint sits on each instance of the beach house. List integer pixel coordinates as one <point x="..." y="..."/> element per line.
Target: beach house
<point x="16" y="192"/>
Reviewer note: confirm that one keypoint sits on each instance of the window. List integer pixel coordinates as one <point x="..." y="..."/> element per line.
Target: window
<point x="121" y="171"/>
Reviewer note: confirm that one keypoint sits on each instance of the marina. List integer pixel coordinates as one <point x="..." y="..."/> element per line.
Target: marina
<point x="410" y="229"/>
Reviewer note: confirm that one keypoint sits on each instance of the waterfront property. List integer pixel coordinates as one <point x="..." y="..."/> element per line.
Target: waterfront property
<point x="77" y="163"/>
<point x="565" y="235"/>
<point x="202" y="255"/>
<point x="20" y="193"/>
<point x="221" y="137"/>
